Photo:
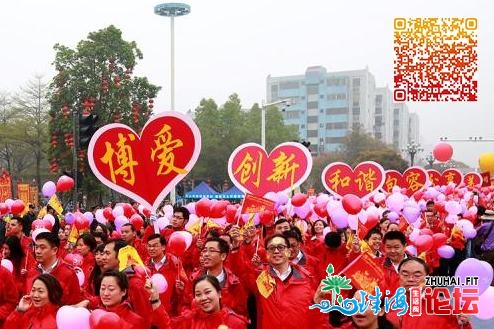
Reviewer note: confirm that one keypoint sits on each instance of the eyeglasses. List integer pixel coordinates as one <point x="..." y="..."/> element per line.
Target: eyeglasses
<point x="280" y="248"/>
<point x="153" y="246"/>
<point x="414" y="276"/>
<point x="178" y="217"/>
<point x="209" y="251"/>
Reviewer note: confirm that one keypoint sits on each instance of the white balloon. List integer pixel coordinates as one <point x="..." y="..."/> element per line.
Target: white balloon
<point x="8" y="265"/>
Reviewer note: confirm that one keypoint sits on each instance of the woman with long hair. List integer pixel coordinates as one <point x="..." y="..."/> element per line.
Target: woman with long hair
<point x="85" y="246"/>
<point x="12" y="250"/>
<point x="38" y="309"/>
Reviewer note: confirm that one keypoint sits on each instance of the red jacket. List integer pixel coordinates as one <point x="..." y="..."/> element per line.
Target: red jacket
<point x="138" y="297"/>
<point x="233" y="293"/>
<point x="66" y="277"/>
<point x="172" y="299"/>
<point x="34" y="318"/>
<point x="391" y="277"/>
<point x="128" y="318"/>
<point x="8" y="295"/>
<point x="197" y="319"/>
<point x="88" y="264"/>
<point x="288" y="304"/>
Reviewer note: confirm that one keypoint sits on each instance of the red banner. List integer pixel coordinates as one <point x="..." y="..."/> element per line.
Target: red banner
<point x="366" y="179"/>
<point x="486" y="179"/>
<point x="145" y="167"/>
<point x="255" y="204"/>
<point x="24" y="193"/>
<point x="253" y="171"/>
<point x="5" y="186"/>
<point x="365" y="273"/>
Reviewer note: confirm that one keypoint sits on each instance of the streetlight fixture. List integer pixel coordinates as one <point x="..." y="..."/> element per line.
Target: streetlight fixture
<point x="430" y="159"/>
<point x="412" y="148"/>
<point x="172" y="10"/>
<point x="263" y="117"/>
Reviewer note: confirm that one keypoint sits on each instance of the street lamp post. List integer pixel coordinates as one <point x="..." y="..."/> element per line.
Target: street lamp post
<point x="412" y="148"/>
<point x="263" y="118"/>
<point x="172" y="10"/>
<point x="430" y="159"/>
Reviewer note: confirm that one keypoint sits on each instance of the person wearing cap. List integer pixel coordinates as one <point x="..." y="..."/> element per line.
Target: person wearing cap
<point x="486" y="233"/>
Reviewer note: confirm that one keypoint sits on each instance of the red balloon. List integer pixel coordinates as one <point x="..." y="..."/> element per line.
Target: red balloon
<point x="176" y="245"/>
<point x="146" y="212"/>
<point x="423" y="243"/>
<point x="321" y="210"/>
<point x="65" y="184"/>
<point x="109" y="320"/>
<point x="442" y="152"/>
<point x="115" y="235"/>
<point x="267" y="217"/>
<point x="426" y="231"/>
<point x="418" y="195"/>
<point x="81" y="222"/>
<point x="3" y="208"/>
<point x="218" y="209"/>
<point x="47" y="224"/>
<point x="230" y="213"/>
<point x="439" y="239"/>
<point x="38" y="223"/>
<point x="203" y="207"/>
<point x="372" y="220"/>
<point x="128" y="210"/>
<point x="108" y="214"/>
<point x="299" y="199"/>
<point x="352" y="204"/>
<point x="95" y="317"/>
<point x="17" y="207"/>
<point x="137" y="221"/>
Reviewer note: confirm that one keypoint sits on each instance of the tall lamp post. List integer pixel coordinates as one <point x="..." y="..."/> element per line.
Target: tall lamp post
<point x="430" y="159"/>
<point x="263" y="118"/>
<point x="172" y="10"/>
<point x="412" y="149"/>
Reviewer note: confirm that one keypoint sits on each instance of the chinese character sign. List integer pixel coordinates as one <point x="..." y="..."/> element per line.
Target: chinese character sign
<point x="145" y="167"/>
<point x="340" y="179"/>
<point x="452" y="175"/>
<point x="413" y="179"/>
<point x="472" y="179"/>
<point x="5" y="186"/>
<point x="253" y="171"/>
<point x="434" y="177"/>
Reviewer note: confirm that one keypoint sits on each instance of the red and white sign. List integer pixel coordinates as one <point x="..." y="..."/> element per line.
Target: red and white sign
<point x="145" y="167"/>
<point x="413" y="179"/>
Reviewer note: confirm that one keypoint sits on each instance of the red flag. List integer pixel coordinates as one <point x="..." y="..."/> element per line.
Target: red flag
<point x="364" y="272"/>
<point x="486" y="178"/>
<point x="362" y="230"/>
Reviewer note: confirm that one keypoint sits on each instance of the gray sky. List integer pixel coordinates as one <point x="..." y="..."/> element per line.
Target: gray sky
<point x="231" y="46"/>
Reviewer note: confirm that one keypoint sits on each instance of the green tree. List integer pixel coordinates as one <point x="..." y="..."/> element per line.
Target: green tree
<point x="95" y="77"/>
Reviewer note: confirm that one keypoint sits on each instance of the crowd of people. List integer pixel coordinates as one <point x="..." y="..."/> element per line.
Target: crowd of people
<point x="231" y="276"/>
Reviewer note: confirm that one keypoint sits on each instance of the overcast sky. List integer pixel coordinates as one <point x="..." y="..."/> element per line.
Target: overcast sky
<point x="232" y="46"/>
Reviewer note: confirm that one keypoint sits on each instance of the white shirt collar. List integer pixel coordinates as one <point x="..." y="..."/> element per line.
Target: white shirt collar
<point x="298" y="258"/>
<point x="159" y="264"/>
<point x="284" y="275"/>
<point x="220" y="277"/>
<point x="49" y="269"/>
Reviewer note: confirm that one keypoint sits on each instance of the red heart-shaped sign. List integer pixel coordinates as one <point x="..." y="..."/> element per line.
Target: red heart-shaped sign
<point x="413" y="179"/>
<point x="472" y="179"/>
<point x="434" y="177"/>
<point x="449" y="175"/>
<point x="253" y="171"/>
<point x="366" y="179"/>
<point x="146" y="167"/>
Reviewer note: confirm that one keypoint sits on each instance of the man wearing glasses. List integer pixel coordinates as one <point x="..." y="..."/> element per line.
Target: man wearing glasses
<point x="233" y="293"/>
<point x="412" y="272"/>
<point x="283" y="290"/>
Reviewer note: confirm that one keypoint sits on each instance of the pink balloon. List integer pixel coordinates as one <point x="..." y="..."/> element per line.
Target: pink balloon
<point x="411" y="250"/>
<point x="486" y="300"/>
<point x="411" y="214"/>
<point x="69" y="317"/>
<point x="117" y="211"/>
<point x="100" y="218"/>
<point x="159" y="281"/>
<point x="49" y="218"/>
<point x="446" y="252"/>
<point x="49" y="188"/>
<point x="80" y="275"/>
<point x="8" y="265"/>
<point x="37" y="231"/>
<point x="339" y="217"/>
<point x="187" y="238"/>
<point x="442" y="152"/>
<point x="395" y="202"/>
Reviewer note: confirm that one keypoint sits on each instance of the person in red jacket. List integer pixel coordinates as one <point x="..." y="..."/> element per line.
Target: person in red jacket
<point x="210" y="314"/>
<point x="8" y="295"/>
<point x="46" y="249"/>
<point x="138" y="296"/>
<point x="113" y="294"/>
<point x="233" y="292"/>
<point x="283" y="290"/>
<point x="12" y="250"/>
<point x="297" y="256"/>
<point x="85" y="246"/>
<point x="15" y="228"/>
<point x="38" y="309"/>
<point x="412" y="273"/>
<point x="394" y="252"/>
<point x="174" y="298"/>
<point x="129" y="235"/>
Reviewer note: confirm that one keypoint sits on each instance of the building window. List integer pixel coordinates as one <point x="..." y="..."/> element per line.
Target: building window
<point x="336" y="125"/>
<point x="311" y="133"/>
<point x="337" y="110"/>
<point x="356" y="110"/>
<point x="335" y="140"/>
<point x="321" y="125"/>
<point x="274" y="88"/>
<point x="289" y="84"/>
<point x="356" y="82"/>
<point x="302" y="126"/>
<point x="312" y="89"/>
<point x="312" y="119"/>
<point x="292" y="114"/>
<point x="379" y="110"/>
<point x="312" y="105"/>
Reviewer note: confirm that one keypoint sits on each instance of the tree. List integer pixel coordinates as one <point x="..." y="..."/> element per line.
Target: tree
<point x="95" y="78"/>
<point x="32" y="102"/>
<point x="224" y="129"/>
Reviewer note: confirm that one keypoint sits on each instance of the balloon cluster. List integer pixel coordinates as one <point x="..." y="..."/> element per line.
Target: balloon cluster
<point x="121" y="214"/>
<point x="14" y="207"/>
<point x="64" y="184"/>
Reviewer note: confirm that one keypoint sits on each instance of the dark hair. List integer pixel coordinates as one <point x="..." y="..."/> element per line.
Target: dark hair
<point x="430" y="202"/>
<point x="395" y="235"/>
<point x="414" y="259"/>
<point x="102" y="235"/>
<point x="103" y="227"/>
<point x="269" y="238"/>
<point x="184" y="212"/>
<point x="16" y="251"/>
<point x="211" y="279"/>
<point x="333" y="240"/>
<point x="157" y="236"/>
<point x="121" y="278"/>
<point x="281" y="221"/>
<point x="222" y="245"/>
<point x="19" y="220"/>
<point x="382" y="220"/>
<point x="373" y="231"/>
<point x="132" y="227"/>
<point x="292" y="233"/>
<point x="312" y="230"/>
<point x="53" y="287"/>
<point x="99" y="248"/>
<point x="385" y="212"/>
<point x="52" y="238"/>
<point x="117" y="245"/>
<point x="88" y="240"/>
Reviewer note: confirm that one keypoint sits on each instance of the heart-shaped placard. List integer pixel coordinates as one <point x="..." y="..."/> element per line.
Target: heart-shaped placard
<point x="413" y="179"/>
<point x="472" y="179"/>
<point x="434" y="177"/>
<point x="366" y="179"/>
<point x="146" y="167"/>
<point x="449" y="175"/>
<point x="253" y="171"/>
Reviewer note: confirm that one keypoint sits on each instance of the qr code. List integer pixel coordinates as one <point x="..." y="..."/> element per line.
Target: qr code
<point x="435" y="59"/>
